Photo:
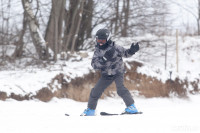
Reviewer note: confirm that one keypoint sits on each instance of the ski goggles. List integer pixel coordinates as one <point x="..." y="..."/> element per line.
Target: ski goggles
<point x="101" y="41"/>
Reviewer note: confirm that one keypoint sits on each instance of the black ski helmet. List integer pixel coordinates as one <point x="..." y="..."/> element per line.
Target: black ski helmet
<point x="103" y="34"/>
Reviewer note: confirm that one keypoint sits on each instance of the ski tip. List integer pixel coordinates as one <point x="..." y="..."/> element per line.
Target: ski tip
<point x="105" y="113"/>
<point x="140" y="112"/>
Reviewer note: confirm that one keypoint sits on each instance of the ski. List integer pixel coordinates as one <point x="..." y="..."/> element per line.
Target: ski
<point x="125" y="113"/>
<point x="110" y="114"/>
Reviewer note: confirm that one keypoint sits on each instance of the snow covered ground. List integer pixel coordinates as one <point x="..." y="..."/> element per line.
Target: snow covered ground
<point x="160" y="115"/>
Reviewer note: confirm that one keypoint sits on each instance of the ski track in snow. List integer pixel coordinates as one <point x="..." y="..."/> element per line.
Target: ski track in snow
<point x="160" y="115"/>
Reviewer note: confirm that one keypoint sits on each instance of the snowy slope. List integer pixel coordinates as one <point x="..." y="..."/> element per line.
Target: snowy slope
<point x="159" y="116"/>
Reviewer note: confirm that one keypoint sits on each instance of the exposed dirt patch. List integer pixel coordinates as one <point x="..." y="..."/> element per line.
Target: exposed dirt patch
<point x="152" y="87"/>
<point x="44" y="95"/>
<point x="3" y="96"/>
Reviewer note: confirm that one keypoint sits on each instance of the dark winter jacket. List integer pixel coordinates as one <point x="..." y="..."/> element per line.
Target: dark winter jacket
<point x="110" y="67"/>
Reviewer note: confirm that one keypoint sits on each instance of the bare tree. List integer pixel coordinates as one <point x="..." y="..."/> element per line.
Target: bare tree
<point x="68" y="36"/>
<point x="78" y="25"/>
<point x="54" y="30"/>
<point x="5" y="13"/>
<point x="191" y="10"/>
<point x="8" y="30"/>
<point x="36" y="35"/>
<point x="116" y="16"/>
<point x="20" y="43"/>
<point x="128" y="18"/>
<point x="86" y="23"/>
<point x="126" y="10"/>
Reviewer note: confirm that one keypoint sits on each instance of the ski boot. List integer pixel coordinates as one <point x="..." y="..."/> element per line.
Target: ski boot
<point x="130" y="110"/>
<point x="88" y="112"/>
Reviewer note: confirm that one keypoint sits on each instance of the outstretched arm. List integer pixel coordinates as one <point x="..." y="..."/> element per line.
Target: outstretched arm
<point x="127" y="52"/>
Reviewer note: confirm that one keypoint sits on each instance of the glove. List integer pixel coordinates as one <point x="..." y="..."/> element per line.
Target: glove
<point x="109" y="54"/>
<point x="134" y="48"/>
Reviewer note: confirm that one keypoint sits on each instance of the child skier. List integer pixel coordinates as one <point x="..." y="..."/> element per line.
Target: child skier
<point x="108" y="59"/>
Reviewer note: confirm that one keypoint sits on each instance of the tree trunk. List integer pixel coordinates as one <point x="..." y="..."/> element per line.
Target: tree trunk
<point x="90" y="8"/>
<point x="37" y="38"/>
<point x="73" y="37"/>
<point x="117" y="16"/>
<point x="55" y="38"/>
<point x="72" y="27"/>
<point x="121" y="18"/>
<point x="86" y="23"/>
<point x="57" y="12"/>
<point x="126" y="18"/>
<point x="78" y="25"/>
<point x="20" y="42"/>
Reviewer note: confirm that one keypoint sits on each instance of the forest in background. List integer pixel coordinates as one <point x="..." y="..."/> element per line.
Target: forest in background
<point x="57" y="27"/>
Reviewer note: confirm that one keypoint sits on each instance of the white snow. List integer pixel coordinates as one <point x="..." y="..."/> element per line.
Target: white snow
<point x="160" y="115"/>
